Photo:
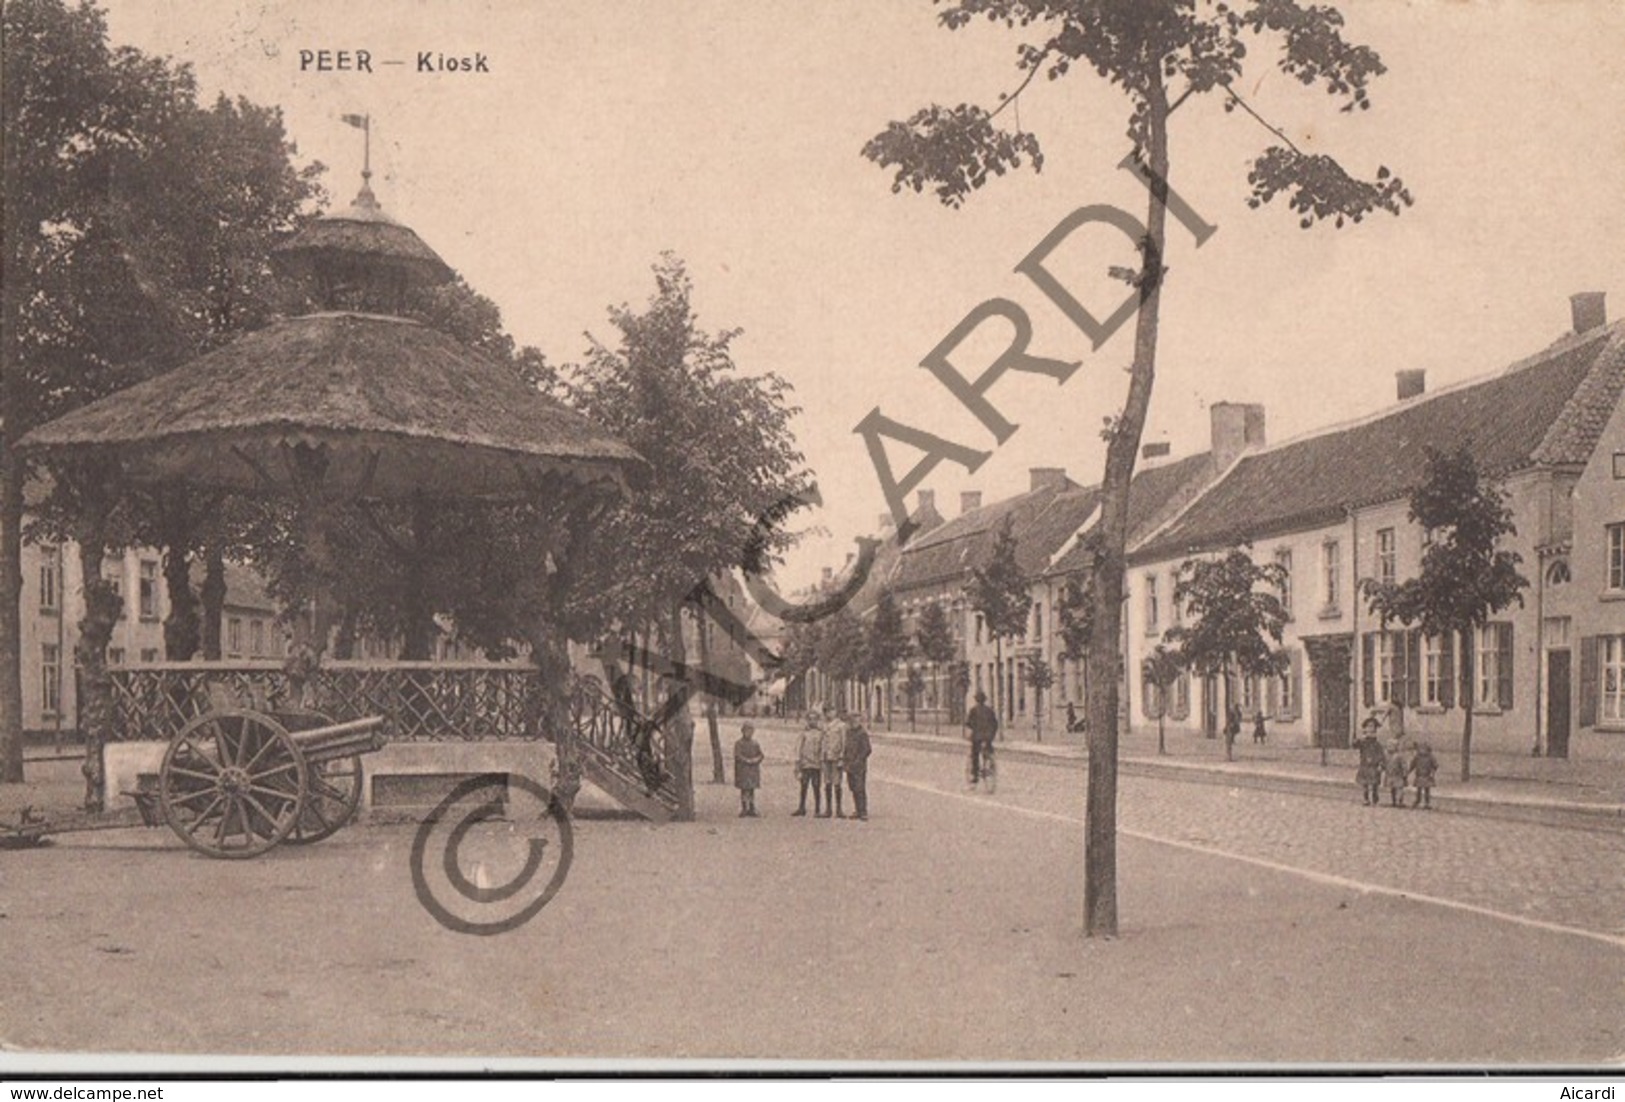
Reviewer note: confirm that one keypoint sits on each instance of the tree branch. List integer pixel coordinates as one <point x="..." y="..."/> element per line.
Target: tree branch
<point x="1245" y="106"/>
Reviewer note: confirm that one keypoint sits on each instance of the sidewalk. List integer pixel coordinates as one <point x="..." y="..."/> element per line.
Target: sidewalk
<point x="1563" y="792"/>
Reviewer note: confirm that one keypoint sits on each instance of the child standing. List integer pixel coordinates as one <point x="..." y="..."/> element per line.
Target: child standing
<point x="1396" y="771"/>
<point x="1424" y="768"/>
<point x="747" y="770"/>
<point x="1369" y="775"/>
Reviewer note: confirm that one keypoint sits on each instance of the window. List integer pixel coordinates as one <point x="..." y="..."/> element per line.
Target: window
<point x="1021" y="688"/>
<point x="1283" y="559"/>
<point x="149" y="654"/>
<point x="1331" y="570"/>
<point x="1151" y="610"/>
<point x="1249" y="695"/>
<point x="147" y="597"/>
<point x="1612" y="649"/>
<point x="1288" y="704"/>
<point x="1387" y="674"/>
<point x="979" y="683"/>
<point x="234" y="636"/>
<point x="1387" y="557"/>
<point x="978" y="627"/>
<point x="1493" y="660"/>
<point x="50" y="580"/>
<point x="1616" y="556"/>
<point x="1436" y="672"/>
<point x="1182" y="696"/>
<point x="1038" y="621"/>
<point x="256" y="637"/>
<point x="1558" y="574"/>
<point x="50" y="672"/>
<point x="115" y="656"/>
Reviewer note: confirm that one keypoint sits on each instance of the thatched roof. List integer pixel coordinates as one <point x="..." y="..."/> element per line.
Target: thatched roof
<point x="400" y="407"/>
<point x="363" y="231"/>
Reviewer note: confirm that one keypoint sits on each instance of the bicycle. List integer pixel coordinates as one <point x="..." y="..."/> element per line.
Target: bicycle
<point x="989" y="771"/>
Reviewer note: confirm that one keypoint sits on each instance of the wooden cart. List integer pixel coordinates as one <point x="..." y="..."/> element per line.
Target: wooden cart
<point x="236" y="782"/>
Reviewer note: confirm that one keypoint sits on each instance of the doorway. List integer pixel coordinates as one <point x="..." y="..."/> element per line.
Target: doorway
<point x="1330" y="657"/>
<point x="1558" y="671"/>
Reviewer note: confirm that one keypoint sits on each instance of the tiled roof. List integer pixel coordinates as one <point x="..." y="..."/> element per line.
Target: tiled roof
<point x="1550" y="408"/>
<point x="1153" y="496"/>
<point x="1043" y="519"/>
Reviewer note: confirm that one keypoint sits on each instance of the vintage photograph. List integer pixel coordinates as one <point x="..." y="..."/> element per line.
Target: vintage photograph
<point x="931" y="536"/>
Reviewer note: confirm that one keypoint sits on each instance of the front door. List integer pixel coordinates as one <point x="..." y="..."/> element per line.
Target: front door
<point x="1557" y="703"/>
<point x="1329" y="660"/>
<point x="1210" y="707"/>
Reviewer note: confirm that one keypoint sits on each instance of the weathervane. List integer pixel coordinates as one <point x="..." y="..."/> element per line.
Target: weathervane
<point x="364" y="124"/>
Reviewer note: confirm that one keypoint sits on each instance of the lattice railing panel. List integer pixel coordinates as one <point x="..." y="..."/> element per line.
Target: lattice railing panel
<point x="622" y="739"/>
<point x="420" y="702"/>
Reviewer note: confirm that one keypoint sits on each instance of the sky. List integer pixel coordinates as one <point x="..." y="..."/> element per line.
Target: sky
<point x="729" y="133"/>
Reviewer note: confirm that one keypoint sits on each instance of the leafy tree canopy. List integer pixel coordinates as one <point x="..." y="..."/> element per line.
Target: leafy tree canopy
<point x="1233" y="614"/>
<point x="999" y="590"/>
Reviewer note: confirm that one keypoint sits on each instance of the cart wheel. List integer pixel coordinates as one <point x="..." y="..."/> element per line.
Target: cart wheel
<point x="232" y="784"/>
<point x="331" y="801"/>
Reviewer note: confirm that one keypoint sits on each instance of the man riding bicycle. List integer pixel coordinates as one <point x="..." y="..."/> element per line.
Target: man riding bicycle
<point x="983" y="724"/>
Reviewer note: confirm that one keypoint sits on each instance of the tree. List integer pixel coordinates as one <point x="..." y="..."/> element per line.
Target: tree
<point x="842" y="653"/>
<point x="913" y="686"/>
<point x="1145" y="48"/>
<point x="1161" y="668"/>
<point x="999" y="593"/>
<point x="935" y="639"/>
<point x="136" y="229"/>
<point x="720" y="454"/>
<point x="1465" y="578"/>
<point x="1040" y="677"/>
<point x="802" y="642"/>
<point x="887" y="644"/>
<point x="1233" y="613"/>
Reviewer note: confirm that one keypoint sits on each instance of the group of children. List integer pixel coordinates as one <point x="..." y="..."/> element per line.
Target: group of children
<point x="827" y="752"/>
<point x="1391" y="767"/>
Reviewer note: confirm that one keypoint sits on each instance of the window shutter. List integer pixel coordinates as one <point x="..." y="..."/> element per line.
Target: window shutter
<point x="1272" y="697"/>
<point x="1503" y="647"/>
<point x="1447" y="670"/>
<point x="1413" y="669"/>
<point x="1590" y="689"/>
<point x="1367" y="674"/>
<point x="1296" y="709"/>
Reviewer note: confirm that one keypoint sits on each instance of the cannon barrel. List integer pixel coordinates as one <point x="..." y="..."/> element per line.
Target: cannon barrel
<point x="341" y="740"/>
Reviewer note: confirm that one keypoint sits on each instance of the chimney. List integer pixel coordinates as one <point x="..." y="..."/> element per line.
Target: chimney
<point x="1160" y="450"/>
<point x="1589" y="311"/>
<point x="969" y="501"/>
<point x="1047" y="477"/>
<point x="1237" y="427"/>
<point x="927" y="500"/>
<point x="1410" y="384"/>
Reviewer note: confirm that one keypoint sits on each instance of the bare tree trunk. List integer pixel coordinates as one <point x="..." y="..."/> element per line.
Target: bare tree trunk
<point x="11" y="595"/>
<point x="181" y="637"/>
<point x="719" y="774"/>
<point x="680" y="732"/>
<point x="1469" y="701"/>
<point x="213" y="593"/>
<point x="1105" y="642"/>
<point x="102" y="605"/>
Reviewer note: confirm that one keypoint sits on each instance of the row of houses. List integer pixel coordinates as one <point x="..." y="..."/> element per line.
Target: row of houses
<point x="1330" y="508"/>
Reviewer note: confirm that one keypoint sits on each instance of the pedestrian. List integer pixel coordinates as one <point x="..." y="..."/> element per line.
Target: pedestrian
<point x="1423" y="769"/>
<point x="808" y="763"/>
<point x="1232" y="723"/>
<point x="1372" y="759"/>
<point x="1258" y="729"/>
<point x="747" y="770"/>
<point x="857" y="767"/>
<point x="1072" y="716"/>
<point x="832" y="751"/>
<point x="983" y="725"/>
<point x="1396" y="771"/>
